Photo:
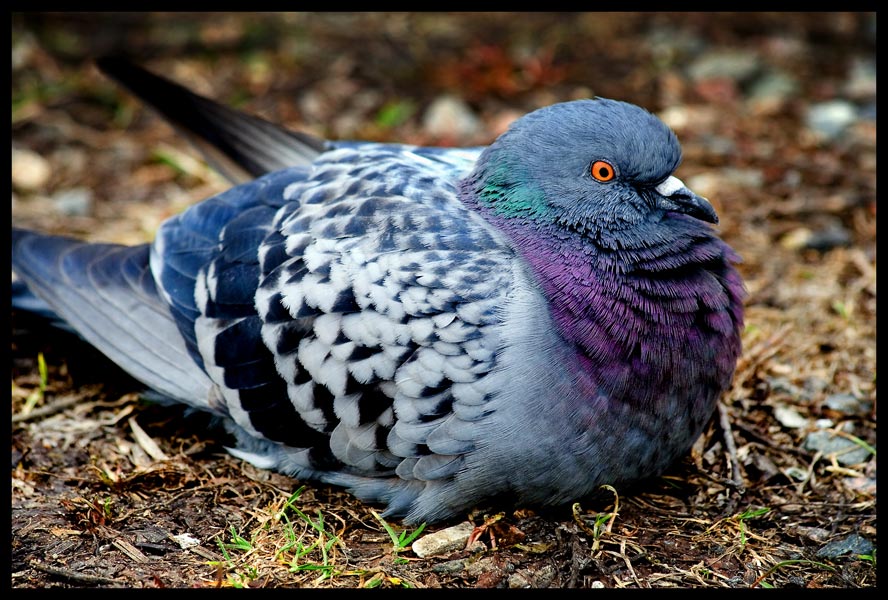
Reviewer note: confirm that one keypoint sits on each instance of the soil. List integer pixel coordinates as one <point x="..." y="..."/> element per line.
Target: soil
<point x="111" y="490"/>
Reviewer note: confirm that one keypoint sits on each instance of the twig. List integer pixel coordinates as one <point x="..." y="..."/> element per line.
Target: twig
<point x="144" y="440"/>
<point x="768" y="443"/>
<point x="725" y="423"/>
<point x="73" y="575"/>
<point x="131" y="551"/>
<point x="578" y="560"/>
<point x="50" y="409"/>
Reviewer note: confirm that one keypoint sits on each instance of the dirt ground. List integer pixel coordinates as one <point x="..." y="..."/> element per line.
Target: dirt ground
<point x="776" y="115"/>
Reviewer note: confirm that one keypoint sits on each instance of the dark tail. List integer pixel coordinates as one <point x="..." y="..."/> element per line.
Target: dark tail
<point x="238" y="145"/>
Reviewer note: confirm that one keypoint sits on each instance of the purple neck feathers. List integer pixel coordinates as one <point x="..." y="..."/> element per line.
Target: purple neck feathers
<point x="645" y="317"/>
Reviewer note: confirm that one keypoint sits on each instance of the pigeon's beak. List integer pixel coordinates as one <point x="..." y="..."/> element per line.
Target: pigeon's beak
<point x="675" y="196"/>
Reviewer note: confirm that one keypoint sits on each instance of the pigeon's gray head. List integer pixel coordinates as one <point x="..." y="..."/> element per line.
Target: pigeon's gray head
<point x="592" y="166"/>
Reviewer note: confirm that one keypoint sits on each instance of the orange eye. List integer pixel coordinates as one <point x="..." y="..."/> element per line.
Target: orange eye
<point x="602" y="171"/>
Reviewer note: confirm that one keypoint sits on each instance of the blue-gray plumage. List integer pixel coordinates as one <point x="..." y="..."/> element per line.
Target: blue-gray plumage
<point x="430" y="328"/>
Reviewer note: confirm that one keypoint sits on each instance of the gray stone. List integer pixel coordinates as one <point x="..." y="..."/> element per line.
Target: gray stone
<point x="829" y="119"/>
<point x="669" y="45"/>
<point x="480" y="566"/>
<point x="784" y="385"/>
<point x="847" y="452"/>
<point x="738" y="65"/>
<point x="861" y="84"/>
<point x="773" y="86"/>
<point x="852" y="544"/>
<point x="532" y="578"/>
<point x="832" y="235"/>
<point x="848" y="404"/>
<point x="450" y="567"/>
<point x="74" y="202"/>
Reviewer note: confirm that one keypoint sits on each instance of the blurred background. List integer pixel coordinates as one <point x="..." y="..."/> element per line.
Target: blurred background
<point x="777" y="104"/>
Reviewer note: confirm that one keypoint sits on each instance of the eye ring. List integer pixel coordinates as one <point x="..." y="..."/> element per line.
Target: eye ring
<point x="602" y="171"/>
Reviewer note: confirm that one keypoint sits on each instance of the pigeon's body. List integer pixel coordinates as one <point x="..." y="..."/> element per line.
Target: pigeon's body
<point x="432" y="328"/>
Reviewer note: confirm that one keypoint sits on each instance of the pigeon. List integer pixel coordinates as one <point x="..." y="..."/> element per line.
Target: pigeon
<point x="434" y="329"/>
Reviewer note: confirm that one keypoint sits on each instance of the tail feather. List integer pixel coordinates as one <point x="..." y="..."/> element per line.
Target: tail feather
<point x="106" y="293"/>
<point x="240" y="146"/>
<point x="26" y="301"/>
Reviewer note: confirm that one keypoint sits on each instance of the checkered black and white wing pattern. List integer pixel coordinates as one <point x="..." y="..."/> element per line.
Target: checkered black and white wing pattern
<point x="360" y="333"/>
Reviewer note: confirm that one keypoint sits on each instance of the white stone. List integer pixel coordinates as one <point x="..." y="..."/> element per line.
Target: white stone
<point x="30" y="171"/>
<point x="443" y="541"/>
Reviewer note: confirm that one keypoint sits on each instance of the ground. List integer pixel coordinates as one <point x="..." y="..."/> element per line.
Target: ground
<point x="776" y="115"/>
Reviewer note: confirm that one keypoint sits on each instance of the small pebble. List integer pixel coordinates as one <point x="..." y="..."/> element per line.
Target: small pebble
<point x="829" y="119"/>
<point x="74" y="202"/>
<point x="185" y="540"/>
<point x="782" y="384"/>
<point x="30" y="171"/>
<point x="815" y="534"/>
<point x="861" y="84"/>
<point x="450" y="117"/>
<point x="831" y="235"/>
<point x="479" y="567"/>
<point x="443" y="541"/>
<point x="738" y="65"/>
<point x="847" y="404"/>
<point x="773" y="87"/>
<point x="852" y="544"/>
<point x="847" y="452"/>
<point x="532" y="578"/>
<point x="789" y="417"/>
<point x="450" y="567"/>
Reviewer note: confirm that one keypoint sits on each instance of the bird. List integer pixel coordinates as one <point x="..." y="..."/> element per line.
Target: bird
<point x="432" y="329"/>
